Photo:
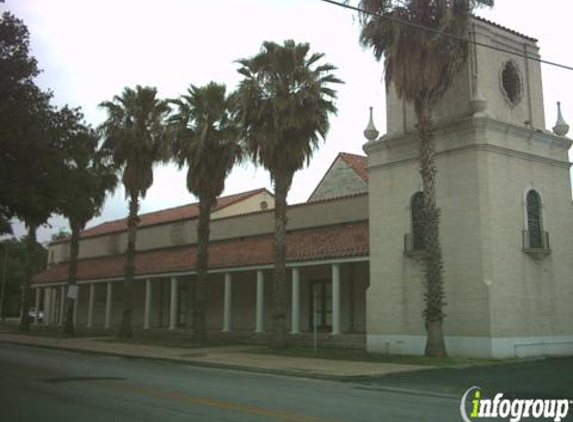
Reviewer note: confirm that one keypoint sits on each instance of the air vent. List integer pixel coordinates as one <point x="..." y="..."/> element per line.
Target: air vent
<point x="113" y="244"/>
<point x="178" y="233"/>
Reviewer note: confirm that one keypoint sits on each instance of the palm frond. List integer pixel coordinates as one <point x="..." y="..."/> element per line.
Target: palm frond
<point x="134" y="133"/>
<point x="206" y="138"/>
<point x="283" y="104"/>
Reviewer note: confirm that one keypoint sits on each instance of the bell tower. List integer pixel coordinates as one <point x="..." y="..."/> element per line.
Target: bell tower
<point x="501" y="83"/>
<point x="504" y="192"/>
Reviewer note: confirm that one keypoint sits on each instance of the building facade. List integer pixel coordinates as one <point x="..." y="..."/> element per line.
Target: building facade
<point x="353" y="249"/>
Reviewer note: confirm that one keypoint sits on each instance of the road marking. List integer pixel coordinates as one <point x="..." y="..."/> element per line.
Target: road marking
<point x="80" y="379"/>
<point x="218" y="404"/>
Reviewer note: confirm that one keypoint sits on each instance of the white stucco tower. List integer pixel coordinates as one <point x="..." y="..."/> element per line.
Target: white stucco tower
<point x="504" y="192"/>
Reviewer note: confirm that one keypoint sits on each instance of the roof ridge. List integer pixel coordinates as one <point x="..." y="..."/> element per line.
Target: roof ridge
<point x="359" y="170"/>
<point x="239" y="196"/>
<point x="250" y="192"/>
<point x="505" y="28"/>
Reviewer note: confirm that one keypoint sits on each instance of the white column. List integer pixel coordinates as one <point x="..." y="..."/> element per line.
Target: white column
<point x="76" y="305"/>
<point x="227" y="306"/>
<point x="108" y="303"/>
<point x="173" y="305"/>
<point x="38" y="292"/>
<point x="62" y="304"/>
<point x="295" y="311"/>
<point x="260" y="301"/>
<point x="47" y="305"/>
<point x="54" y="303"/>
<point x="91" y="305"/>
<point x="335" y="299"/>
<point x="147" y="314"/>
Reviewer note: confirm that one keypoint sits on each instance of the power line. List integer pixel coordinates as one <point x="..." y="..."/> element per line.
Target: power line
<point x="437" y="31"/>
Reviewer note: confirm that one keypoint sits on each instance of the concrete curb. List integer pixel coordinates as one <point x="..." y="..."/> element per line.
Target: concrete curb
<point x="410" y="391"/>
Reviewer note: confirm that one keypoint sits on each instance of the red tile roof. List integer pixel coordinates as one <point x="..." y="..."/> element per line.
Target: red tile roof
<point x="358" y="163"/>
<point x="322" y="243"/>
<point x="163" y="216"/>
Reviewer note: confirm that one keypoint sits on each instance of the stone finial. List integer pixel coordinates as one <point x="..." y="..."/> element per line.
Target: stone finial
<point x="478" y="104"/>
<point x="561" y="127"/>
<point x="370" y="132"/>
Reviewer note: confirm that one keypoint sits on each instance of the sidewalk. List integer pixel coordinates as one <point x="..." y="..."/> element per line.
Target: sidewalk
<point x="238" y="357"/>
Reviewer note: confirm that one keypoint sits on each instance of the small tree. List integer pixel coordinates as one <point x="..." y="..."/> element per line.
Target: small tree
<point x="206" y="141"/>
<point x="284" y="103"/>
<point x="134" y="134"/>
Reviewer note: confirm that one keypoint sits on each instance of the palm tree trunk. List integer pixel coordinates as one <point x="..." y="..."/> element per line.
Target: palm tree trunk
<point x="72" y="276"/>
<point x="126" y="328"/>
<point x="433" y="263"/>
<point x="279" y="337"/>
<point x="30" y="269"/>
<point x="200" y="304"/>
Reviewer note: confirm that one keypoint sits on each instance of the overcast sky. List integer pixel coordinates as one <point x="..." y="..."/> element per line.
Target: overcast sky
<point x="90" y="50"/>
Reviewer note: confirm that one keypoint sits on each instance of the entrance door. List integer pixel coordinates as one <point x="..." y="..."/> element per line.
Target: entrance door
<point x="182" y="307"/>
<point x="321" y="305"/>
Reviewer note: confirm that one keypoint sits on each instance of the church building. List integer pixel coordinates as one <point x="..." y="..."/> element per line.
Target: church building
<point x="354" y="248"/>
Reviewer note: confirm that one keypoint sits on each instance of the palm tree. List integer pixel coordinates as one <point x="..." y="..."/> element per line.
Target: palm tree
<point x="422" y="66"/>
<point x="206" y="141"/>
<point x="134" y="134"/>
<point x="284" y="102"/>
<point x="88" y="177"/>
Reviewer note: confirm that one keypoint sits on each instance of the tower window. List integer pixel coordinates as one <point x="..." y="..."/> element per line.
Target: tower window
<point x="534" y="224"/>
<point x="511" y="83"/>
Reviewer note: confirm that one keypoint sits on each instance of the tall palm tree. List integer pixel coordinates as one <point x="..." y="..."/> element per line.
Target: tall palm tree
<point x="206" y="141"/>
<point x="134" y="132"/>
<point x="88" y="175"/>
<point x="422" y="67"/>
<point x="284" y="103"/>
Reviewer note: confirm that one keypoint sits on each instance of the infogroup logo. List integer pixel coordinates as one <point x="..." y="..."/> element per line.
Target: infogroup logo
<point x="474" y="406"/>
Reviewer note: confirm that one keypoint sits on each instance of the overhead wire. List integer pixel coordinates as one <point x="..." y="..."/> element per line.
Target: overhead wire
<point x="456" y="37"/>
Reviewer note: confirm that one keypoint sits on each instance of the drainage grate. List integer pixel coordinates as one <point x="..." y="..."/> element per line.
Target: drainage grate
<point x="82" y="379"/>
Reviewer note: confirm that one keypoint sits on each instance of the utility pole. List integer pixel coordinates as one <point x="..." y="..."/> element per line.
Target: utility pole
<point x="2" y="315"/>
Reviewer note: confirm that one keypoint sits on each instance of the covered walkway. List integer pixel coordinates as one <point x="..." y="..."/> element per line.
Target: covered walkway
<point x="327" y="268"/>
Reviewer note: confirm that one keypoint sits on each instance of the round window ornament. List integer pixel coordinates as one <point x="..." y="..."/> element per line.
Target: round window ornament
<point x="511" y="84"/>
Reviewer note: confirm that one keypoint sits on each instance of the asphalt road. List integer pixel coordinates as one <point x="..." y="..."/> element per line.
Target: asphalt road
<point x="46" y="385"/>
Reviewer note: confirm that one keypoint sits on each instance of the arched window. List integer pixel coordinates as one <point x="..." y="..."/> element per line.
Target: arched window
<point x="417" y="209"/>
<point x="534" y="223"/>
